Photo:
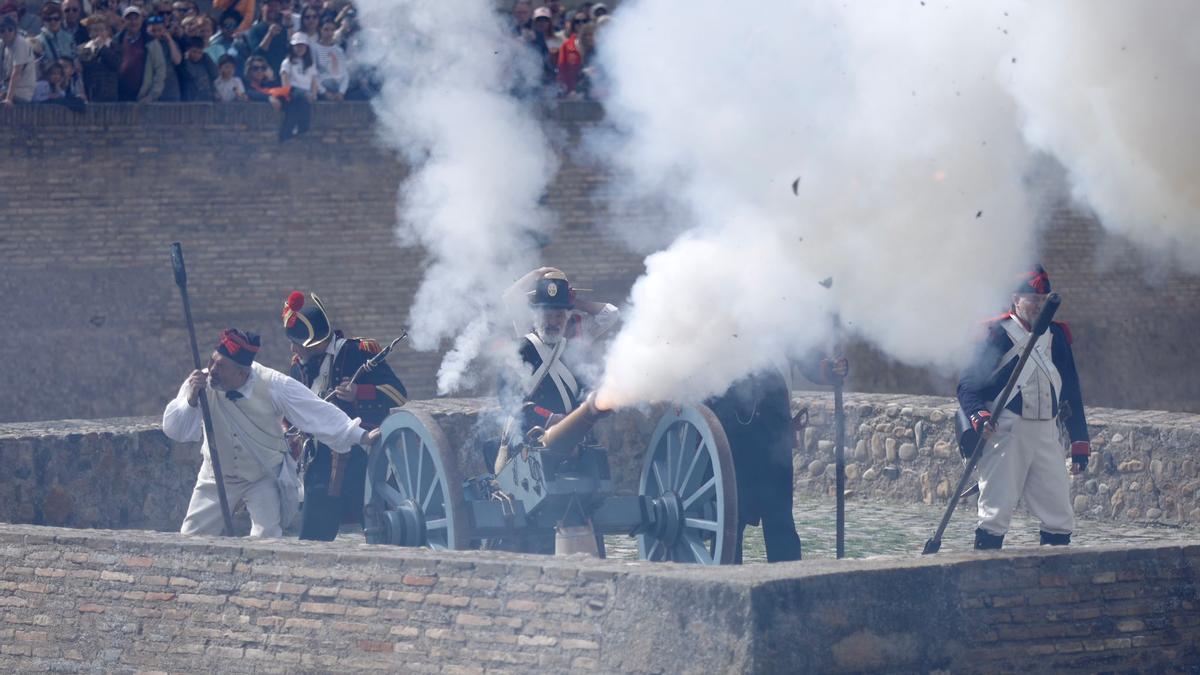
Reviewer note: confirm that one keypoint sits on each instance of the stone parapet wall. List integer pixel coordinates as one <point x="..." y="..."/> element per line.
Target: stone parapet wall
<point x="124" y="473"/>
<point x="1144" y="466"/>
<point x="120" y="601"/>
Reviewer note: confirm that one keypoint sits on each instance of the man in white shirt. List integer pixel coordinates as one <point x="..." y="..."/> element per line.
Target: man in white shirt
<point x="18" y="65"/>
<point x="249" y="402"/>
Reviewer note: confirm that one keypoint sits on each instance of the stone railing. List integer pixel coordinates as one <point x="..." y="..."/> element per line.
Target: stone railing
<point x="1143" y="466"/>
<point x="124" y="473"/>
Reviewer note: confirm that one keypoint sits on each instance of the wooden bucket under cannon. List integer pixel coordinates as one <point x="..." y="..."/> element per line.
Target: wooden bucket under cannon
<point x="685" y="509"/>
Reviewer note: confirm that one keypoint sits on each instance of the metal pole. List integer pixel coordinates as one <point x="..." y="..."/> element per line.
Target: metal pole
<point x="1039" y="327"/>
<point x="214" y="456"/>
<point x="839" y="418"/>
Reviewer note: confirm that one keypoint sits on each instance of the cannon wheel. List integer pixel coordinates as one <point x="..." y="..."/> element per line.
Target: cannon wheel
<point x="413" y="495"/>
<point x="688" y="475"/>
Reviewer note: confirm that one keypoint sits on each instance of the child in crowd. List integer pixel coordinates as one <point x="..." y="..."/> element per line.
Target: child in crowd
<point x="197" y="73"/>
<point x="50" y="89"/>
<point x="72" y="79"/>
<point x="229" y="85"/>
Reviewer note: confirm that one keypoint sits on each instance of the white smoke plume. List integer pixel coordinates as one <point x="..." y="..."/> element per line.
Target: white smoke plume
<point x="478" y="157"/>
<point x="1111" y="89"/>
<point x="896" y="121"/>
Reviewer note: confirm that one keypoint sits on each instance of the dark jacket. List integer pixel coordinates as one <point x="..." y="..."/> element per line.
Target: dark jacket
<point x="100" y="74"/>
<point x="379" y="390"/>
<point x="978" y="385"/>
<point x="197" y="79"/>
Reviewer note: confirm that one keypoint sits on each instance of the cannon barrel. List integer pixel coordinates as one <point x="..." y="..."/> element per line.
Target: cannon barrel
<point x="572" y="429"/>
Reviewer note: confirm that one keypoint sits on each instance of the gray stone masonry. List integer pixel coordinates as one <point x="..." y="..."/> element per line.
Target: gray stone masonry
<point x="124" y="473"/>
<point x="1144" y="466"/>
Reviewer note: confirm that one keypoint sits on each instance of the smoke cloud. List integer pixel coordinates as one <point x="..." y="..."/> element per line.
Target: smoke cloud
<point x="479" y="161"/>
<point x="896" y="122"/>
<point x="1111" y="89"/>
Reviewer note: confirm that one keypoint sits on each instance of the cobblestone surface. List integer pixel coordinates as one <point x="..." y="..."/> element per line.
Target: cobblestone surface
<point x="876" y="528"/>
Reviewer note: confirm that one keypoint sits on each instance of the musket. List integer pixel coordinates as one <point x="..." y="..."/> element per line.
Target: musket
<point x="934" y="543"/>
<point x="335" y="468"/>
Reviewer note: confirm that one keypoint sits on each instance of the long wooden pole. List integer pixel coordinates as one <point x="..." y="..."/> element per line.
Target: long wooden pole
<point x="214" y="456"/>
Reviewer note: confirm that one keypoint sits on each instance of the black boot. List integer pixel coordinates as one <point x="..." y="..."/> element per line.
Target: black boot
<point x="1050" y="539"/>
<point x="985" y="540"/>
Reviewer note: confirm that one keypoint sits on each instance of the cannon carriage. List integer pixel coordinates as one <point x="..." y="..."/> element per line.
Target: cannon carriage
<point x="685" y="508"/>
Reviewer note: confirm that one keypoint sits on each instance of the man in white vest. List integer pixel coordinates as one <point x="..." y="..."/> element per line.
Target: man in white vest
<point x="1023" y="459"/>
<point x="248" y="402"/>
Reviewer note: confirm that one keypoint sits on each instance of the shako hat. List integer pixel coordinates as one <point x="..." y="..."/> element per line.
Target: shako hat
<point x="552" y="291"/>
<point x="305" y="320"/>
<point x="1033" y="282"/>
<point x="238" y="346"/>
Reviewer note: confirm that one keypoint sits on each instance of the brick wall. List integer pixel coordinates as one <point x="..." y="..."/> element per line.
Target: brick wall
<point x="108" y="601"/>
<point x="90" y="202"/>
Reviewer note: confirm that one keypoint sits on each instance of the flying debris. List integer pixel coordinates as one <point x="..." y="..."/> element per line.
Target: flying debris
<point x="979" y="214"/>
<point x="796" y="187"/>
<point x="827" y="282"/>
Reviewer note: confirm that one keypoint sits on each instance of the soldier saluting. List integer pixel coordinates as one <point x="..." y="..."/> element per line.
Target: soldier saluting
<point x="324" y="360"/>
<point x="563" y="329"/>
<point x="1023" y="458"/>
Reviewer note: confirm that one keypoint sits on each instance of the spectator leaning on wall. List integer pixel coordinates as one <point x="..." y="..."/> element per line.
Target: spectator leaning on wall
<point x="197" y="73"/>
<point x="143" y="69"/>
<point x="333" y="70"/>
<point x="156" y="29"/>
<point x="17" y="64"/>
<point x="228" y="85"/>
<point x="101" y="61"/>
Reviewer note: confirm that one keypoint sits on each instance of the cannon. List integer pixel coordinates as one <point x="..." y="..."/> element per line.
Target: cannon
<point x="685" y="509"/>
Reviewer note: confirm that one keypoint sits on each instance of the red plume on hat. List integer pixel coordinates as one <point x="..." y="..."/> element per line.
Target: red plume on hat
<point x="1035" y="281"/>
<point x="239" y="346"/>
<point x="294" y="302"/>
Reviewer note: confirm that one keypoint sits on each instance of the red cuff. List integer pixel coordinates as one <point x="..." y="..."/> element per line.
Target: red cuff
<point x="539" y="410"/>
<point x="366" y="392"/>
<point x="1081" y="449"/>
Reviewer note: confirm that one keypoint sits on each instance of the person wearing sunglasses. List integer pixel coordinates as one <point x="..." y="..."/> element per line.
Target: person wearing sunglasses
<point x="72" y="21"/>
<point x="53" y="43"/>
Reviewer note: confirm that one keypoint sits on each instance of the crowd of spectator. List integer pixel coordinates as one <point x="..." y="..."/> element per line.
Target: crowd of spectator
<point x="565" y="41"/>
<point x="284" y="52"/>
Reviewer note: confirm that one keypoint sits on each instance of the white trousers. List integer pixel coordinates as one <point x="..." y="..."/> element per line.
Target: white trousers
<point x="1025" y="461"/>
<point x="260" y="496"/>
